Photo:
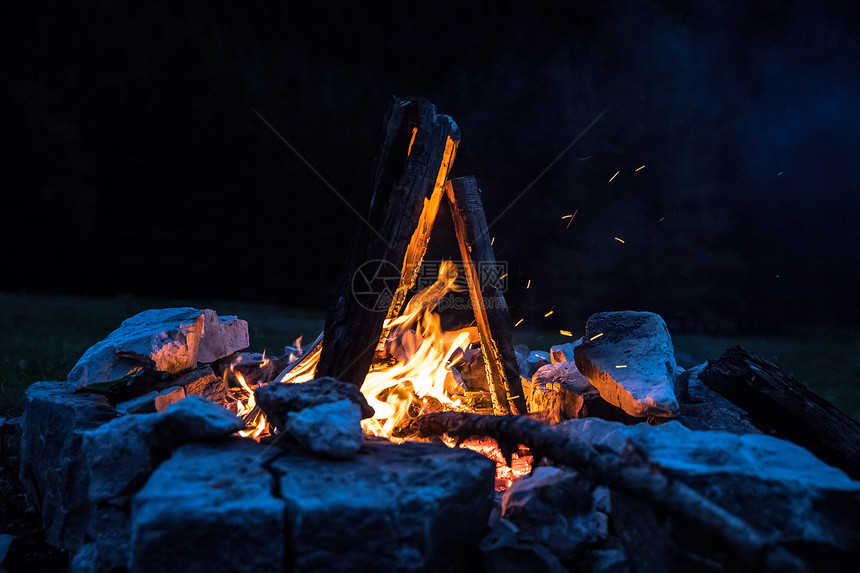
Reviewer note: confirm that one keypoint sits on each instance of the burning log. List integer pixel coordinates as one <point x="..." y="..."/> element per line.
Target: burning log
<point x="774" y="398"/>
<point x="416" y="153"/>
<point x="629" y="473"/>
<point x="491" y="310"/>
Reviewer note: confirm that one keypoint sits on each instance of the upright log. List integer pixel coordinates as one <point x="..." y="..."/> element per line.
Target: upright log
<point x="774" y="398"/>
<point x="488" y="302"/>
<point x="416" y="152"/>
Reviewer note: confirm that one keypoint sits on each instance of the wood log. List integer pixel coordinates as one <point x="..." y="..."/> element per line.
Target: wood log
<point x="415" y="155"/>
<point x="775" y="399"/>
<point x="315" y="347"/>
<point x="629" y="473"/>
<point x="488" y="302"/>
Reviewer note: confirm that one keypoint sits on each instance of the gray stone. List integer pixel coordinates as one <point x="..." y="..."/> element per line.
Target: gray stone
<point x="204" y="382"/>
<point x="141" y="405"/>
<point x="222" y="336"/>
<point x="107" y="541"/>
<point x="567" y="377"/>
<point x="555" y="508"/>
<point x="5" y="542"/>
<point x="279" y="399"/>
<point x="608" y="561"/>
<point x="628" y="357"/>
<point x="529" y="363"/>
<point x="774" y="484"/>
<point x="558" y="390"/>
<point x="704" y="409"/>
<point x="563" y="352"/>
<point x="332" y="429"/>
<point x="505" y="551"/>
<point x="121" y="454"/>
<point x="210" y="507"/>
<point x="53" y="470"/>
<point x="394" y="507"/>
<point x="167" y="397"/>
<point x="166" y="340"/>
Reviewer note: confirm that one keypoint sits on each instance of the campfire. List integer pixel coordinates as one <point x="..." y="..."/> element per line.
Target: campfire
<point x="392" y="443"/>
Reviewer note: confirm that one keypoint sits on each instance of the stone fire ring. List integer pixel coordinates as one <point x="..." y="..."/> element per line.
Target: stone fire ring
<point x="231" y="504"/>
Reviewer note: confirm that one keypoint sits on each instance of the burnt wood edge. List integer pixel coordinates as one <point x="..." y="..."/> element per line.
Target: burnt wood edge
<point x="405" y="174"/>
<point x="488" y="302"/>
<point x="775" y="399"/>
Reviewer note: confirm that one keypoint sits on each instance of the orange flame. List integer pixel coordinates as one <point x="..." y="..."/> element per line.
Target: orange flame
<point x="424" y="354"/>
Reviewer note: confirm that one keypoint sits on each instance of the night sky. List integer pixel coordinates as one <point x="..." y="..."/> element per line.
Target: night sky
<point x="133" y="162"/>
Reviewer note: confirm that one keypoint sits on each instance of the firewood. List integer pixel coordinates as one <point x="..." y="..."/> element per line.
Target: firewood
<point x="777" y="400"/>
<point x="416" y="153"/>
<point x="629" y="473"/>
<point x="491" y="311"/>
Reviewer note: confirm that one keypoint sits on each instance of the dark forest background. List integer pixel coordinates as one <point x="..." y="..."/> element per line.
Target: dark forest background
<point x="132" y="162"/>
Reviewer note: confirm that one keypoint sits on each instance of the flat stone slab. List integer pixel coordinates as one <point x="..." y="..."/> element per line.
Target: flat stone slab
<point x="394" y="507"/>
<point x="166" y="340"/>
<point x="628" y="357"/>
<point x="774" y="484"/>
<point x="210" y="507"/>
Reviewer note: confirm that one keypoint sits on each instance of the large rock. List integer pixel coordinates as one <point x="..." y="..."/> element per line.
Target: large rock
<point x="531" y="361"/>
<point x="210" y="507"/>
<point x="555" y="508"/>
<point x="775" y="485"/>
<point x="278" y="400"/>
<point x="166" y="340"/>
<point x="53" y="470"/>
<point x="628" y="357"/>
<point x="332" y="429"/>
<point x="222" y="336"/>
<point x="121" y="454"/>
<point x="394" y="507"/>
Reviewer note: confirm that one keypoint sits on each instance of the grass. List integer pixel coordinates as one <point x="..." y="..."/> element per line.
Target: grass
<point x="41" y="338"/>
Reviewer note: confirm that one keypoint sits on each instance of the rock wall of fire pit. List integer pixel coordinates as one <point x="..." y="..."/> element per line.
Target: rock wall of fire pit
<point x="176" y="491"/>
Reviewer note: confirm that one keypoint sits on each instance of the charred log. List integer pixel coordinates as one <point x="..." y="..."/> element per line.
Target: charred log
<point x="416" y="153"/>
<point x="777" y="400"/>
<point x="491" y="311"/>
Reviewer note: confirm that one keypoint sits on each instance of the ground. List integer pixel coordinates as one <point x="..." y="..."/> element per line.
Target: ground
<point x="42" y="336"/>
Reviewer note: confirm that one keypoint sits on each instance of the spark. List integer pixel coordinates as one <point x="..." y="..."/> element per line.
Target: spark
<point x="549" y="313"/>
<point x="565" y="332"/>
<point x="641" y="168"/>
<point x="596" y="336"/>
<point x="492" y="241"/>
<point x="501" y="278"/>
<point x="621" y="366"/>
<point x="572" y="217"/>
<point x="567" y="217"/>
<point x="619" y="240"/>
<point x="519" y="322"/>
<point x="529" y="283"/>
<point x="614" y="176"/>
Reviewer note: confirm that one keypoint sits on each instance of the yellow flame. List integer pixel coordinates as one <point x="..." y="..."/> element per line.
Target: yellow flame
<point x="423" y="353"/>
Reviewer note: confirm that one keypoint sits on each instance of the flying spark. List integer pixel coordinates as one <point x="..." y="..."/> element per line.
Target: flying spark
<point x="614" y="176"/>
<point x="519" y="322"/>
<point x="619" y="240"/>
<point x="596" y="336"/>
<point x="529" y="283"/>
<point x="641" y="168"/>
<point x="565" y="332"/>
<point x="549" y="313"/>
